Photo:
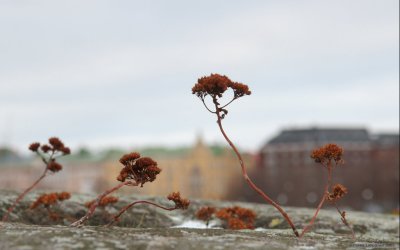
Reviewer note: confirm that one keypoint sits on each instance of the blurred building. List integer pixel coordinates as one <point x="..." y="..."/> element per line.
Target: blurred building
<point x="371" y="170"/>
<point x="199" y="172"/>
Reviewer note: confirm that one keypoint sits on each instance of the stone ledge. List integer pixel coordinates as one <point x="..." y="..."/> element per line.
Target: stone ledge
<point x="145" y="227"/>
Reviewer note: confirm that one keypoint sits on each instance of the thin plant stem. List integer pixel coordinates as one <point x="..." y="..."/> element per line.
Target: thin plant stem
<point x="97" y="202"/>
<point x="244" y="172"/>
<point x="344" y="220"/>
<point x="321" y="203"/>
<point x="124" y="209"/>
<point x="22" y="195"/>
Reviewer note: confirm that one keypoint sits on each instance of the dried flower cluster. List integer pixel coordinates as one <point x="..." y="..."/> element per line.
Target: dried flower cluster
<point x="215" y="85"/>
<point x="205" y="213"/>
<point x="50" y="199"/>
<point x="139" y="169"/>
<point x="48" y="153"/>
<point x="52" y="151"/>
<point x="328" y="153"/>
<point x="180" y="203"/>
<point x="237" y="217"/>
<point x="108" y="200"/>
<point x="338" y="192"/>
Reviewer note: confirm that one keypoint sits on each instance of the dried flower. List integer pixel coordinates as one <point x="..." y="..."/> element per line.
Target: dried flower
<point x="56" y="143"/>
<point x="237" y="217"/>
<point x="327" y="153"/>
<point x="215" y="85"/>
<point x="63" y="196"/>
<point x="141" y="170"/>
<point x="34" y="146"/>
<point x="338" y="192"/>
<point x="180" y="203"/>
<point x="54" y="166"/>
<point x="103" y="202"/>
<point x="45" y="148"/>
<point x="48" y="155"/>
<point x="50" y="199"/>
<point x="205" y="213"/>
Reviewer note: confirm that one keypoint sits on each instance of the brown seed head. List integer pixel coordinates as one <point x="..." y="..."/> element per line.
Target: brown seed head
<point x="141" y="170"/>
<point x="45" y="148"/>
<point x="56" y="143"/>
<point x="63" y="196"/>
<point x="54" y="166"/>
<point x="180" y="203"/>
<point x="327" y="153"/>
<point x="232" y="215"/>
<point x="108" y="200"/>
<point x="34" y="146"/>
<point x="215" y="85"/>
<point x="338" y="192"/>
<point x="65" y="150"/>
<point x="45" y="200"/>
<point x="205" y="213"/>
<point x="129" y="159"/>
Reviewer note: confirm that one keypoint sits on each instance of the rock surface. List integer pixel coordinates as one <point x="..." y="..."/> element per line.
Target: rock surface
<point x="145" y="227"/>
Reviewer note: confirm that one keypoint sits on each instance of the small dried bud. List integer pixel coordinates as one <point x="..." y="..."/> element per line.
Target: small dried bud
<point x="54" y="166"/>
<point x="56" y="143"/>
<point x="34" y="146"/>
<point x="180" y="203"/>
<point x="65" y="150"/>
<point x="45" y="148"/>
<point x="338" y="192"/>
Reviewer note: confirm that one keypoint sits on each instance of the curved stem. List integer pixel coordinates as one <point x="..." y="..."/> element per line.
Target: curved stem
<point x="205" y="105"/>
<point x="321" y="203"/>
<point x="246" y="177"/>
<point x="21" y="196"/>
<point x="123" y="210"/>
<point x="97" y="202"/>
<point x="234" y="98"/>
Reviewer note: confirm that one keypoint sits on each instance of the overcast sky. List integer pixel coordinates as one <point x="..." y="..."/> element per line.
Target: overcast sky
<point x="99" y="73"/>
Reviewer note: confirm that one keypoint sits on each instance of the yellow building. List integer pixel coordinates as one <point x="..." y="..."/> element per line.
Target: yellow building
<point x="198" y="173"/>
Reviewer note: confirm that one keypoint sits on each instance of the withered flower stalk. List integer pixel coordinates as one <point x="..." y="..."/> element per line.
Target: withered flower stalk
<point x="326" y="156"/>
<point x="48" y="154"/>
<point x="214" y="86"/>
<point x="48" y="200"/>
<point x="180" y="203"/>
<point x="136" y="171"/>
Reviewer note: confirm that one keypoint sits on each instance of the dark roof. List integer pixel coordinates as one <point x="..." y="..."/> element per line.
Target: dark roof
<point x="387" y="139"/>
<point x="321" y="135"/>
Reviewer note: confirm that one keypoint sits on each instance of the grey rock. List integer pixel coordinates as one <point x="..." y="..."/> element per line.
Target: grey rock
<point x="146" y="227"/>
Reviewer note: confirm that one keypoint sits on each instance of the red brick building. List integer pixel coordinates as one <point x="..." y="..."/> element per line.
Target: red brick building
<point x="371" y="170"/>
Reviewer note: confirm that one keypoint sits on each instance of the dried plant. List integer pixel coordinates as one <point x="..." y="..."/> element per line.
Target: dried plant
<point x="205" y="214"/>
<point x="48" y="200"/>
<point x="237" y="217"/>
<point x="175" y="197"/>
<point x="108" y="200"/>
<point x="49" y="153"/>
<point x="136" y="171"/>
<point x="214" y="86"/>
<point x="327" y="156"/>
